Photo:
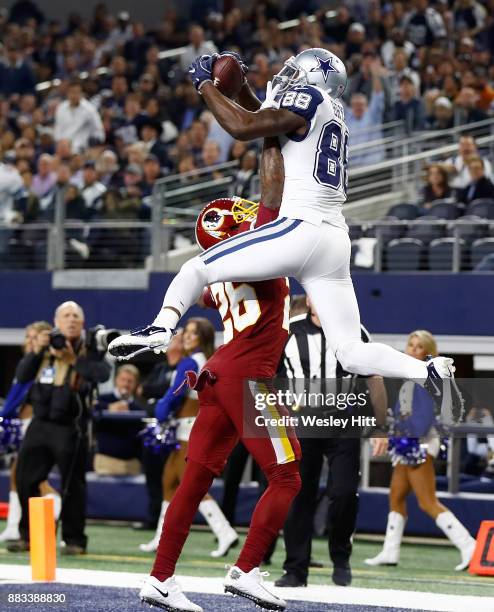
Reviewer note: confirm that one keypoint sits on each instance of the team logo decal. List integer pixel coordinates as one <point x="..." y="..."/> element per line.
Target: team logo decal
<point x="213" y="219"/>
<point x="325" y="66"/>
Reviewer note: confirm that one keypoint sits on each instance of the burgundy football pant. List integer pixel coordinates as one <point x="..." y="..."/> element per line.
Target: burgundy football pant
<point x="217" y="428"/>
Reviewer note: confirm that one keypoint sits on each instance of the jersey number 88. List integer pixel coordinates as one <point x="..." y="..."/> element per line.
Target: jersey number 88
<point x="332" y="157"/>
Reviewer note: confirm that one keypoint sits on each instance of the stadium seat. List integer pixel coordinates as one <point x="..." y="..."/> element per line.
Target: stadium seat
<point x="443" y="209"/>
<point x="482" y="207"/>
<point x="480" y="249"/>
<point x="404" y="212"/>
<point x="441" y="253"/>
<point x="425" y="231"/>
<point x="468" y="228"/>
<point x="404" y="254"/>
<point x="390" y="230"/>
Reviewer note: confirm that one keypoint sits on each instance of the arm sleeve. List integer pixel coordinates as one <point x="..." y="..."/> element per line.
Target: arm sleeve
<point x="170" y="402"/>
<point x="302" y="101"/>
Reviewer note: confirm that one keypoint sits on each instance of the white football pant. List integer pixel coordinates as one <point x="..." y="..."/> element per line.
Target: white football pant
<point x="319" y="258"/>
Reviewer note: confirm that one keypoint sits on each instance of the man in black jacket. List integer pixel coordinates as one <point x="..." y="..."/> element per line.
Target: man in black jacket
<point x="480" y="186"/>
<point x="64" y="372"/>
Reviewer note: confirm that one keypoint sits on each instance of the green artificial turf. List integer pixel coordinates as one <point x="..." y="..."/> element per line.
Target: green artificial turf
<point x="423" y="567"/>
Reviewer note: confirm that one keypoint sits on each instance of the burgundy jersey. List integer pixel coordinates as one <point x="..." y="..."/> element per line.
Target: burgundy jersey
<point x="256" y="323"/>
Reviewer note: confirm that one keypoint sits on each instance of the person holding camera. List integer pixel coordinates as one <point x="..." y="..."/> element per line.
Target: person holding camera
<point x="65" y="370"/>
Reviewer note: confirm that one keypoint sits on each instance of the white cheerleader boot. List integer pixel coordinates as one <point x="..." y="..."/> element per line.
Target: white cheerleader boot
<point x="227" y="536"/>
<point x="459" y="536"/>
<point x="390" y="554"/>
<point x="57" y="504"/>
<point x="152" y="546"/>
<point x="11" y="531"/>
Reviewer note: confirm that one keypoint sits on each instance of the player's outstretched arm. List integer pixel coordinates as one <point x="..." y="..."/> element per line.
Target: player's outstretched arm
<point x="272" y="173"/>
<point x="247" y="125"/>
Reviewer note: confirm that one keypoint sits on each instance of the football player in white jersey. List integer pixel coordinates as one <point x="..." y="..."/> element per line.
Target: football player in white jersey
<point x="309" y="239"/>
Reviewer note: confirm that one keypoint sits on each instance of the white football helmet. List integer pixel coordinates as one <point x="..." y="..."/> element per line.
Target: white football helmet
<point x="313" y="67"/>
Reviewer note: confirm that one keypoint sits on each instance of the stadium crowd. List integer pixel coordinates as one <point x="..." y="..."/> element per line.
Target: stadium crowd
<point x="91" y="104"/>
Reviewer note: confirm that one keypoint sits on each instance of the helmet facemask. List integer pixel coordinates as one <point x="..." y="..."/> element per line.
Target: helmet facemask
<point x="291" y="75"/>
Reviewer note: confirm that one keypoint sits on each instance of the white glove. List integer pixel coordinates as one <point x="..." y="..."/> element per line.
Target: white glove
<point x="271" y="93"/>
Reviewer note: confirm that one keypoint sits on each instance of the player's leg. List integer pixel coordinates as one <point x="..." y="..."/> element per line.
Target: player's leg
<point x="272" y="251"/>
<point x="277" y="452"/>
<point x="211" y="440"/>
<point x="326" y="279"/>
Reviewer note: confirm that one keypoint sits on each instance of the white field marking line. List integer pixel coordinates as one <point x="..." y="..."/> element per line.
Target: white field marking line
<point x="393" y="598"/>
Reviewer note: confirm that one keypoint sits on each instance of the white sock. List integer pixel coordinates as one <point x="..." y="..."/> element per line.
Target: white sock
<point x="184" y="291"/>
<point x="379" y="359"/>
<point x="57" y="503"/>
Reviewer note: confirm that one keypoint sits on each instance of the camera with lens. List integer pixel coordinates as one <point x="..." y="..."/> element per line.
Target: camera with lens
<point x="57" y="339"/>
<point x="99" y="337"/>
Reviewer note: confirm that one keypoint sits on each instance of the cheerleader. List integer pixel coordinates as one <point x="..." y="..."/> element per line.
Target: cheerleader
<point x="182" y="404"/>
<point x="413" y="466"/>
<point x="16" y="407"/>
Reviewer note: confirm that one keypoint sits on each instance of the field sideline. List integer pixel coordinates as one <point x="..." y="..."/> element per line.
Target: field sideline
<point x="425" y="569"/>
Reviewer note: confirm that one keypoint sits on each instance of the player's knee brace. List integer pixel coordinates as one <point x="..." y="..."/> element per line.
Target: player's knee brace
<point x="285" y="476"/>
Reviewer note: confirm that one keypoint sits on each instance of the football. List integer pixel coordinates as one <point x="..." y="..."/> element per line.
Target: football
<point x="227" y="75"/>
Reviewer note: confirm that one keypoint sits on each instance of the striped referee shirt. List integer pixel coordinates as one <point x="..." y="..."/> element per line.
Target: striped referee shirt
<point x="306" y="355"/>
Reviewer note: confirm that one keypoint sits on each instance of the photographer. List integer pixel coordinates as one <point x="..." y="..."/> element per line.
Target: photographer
<point x="65" y="370"/>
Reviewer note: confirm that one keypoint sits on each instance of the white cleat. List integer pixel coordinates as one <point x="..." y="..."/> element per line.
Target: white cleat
<point x="250" y="585"/>
<point x="443" y="367"/>
<point x="166" y="595"/>
<point x="144" y="339"/>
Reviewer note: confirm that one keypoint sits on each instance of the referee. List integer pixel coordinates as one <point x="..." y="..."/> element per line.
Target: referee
<point x="306" y="358"/>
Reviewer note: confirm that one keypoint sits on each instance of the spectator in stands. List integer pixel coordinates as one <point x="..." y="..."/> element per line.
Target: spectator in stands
<point x="400" y="69"/>
<point x="152" y="172"/>
<point x="480" y="186"/>
<point x="466" y="110"/>
<point x="126" y="126"/>
<point x="12" y="197"/>
<point x="46" y="176"/>
<point x="396" y="42"/>
<point x="118" y="447"/>
<point x="108" y="168"/>
<point x="414" y="413"/>
<point x="16" y="76"/>
<point x="92" y="189"/>
<point x="364" y="120"/>
<point x="442" y="117"/>
<point x="78" y="120"/>
<point x="197" y="46"/>
<point x="437" y="187"/>
<point x="409" y="108"/>
<point x="469" y="17"/>
<point x="458" y="166"/>
<point x="151" y="131"/>
<point x="424" y="25"/>
<point x="245" y="175"/>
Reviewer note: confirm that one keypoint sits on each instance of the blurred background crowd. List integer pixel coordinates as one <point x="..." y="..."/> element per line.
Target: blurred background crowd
<point x="104" y="105"/>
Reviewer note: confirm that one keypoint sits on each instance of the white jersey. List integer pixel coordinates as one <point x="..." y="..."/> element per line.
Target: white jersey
<point x="315" y="163"/>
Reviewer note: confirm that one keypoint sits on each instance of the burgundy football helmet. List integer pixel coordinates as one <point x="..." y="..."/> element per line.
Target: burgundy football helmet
<point x="222" y="218"/>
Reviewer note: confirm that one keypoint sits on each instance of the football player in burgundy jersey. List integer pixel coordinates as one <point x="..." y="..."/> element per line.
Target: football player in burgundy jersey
<point x="255" y="320"/>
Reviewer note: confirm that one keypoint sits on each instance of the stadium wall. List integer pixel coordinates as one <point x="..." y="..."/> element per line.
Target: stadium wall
<point x="454" y="304"/>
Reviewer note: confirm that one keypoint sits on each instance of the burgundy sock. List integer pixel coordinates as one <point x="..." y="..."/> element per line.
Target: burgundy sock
<point x="179" y="516"/>
<point x="266" y="215"/>
<point x="270" y="513"/>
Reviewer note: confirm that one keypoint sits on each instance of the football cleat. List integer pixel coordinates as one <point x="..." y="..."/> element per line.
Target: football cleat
<point x="149" y="338"/>
<point x="250" y="585"/>
<point x="441" y="385"/>
<point x="166" y="595"/>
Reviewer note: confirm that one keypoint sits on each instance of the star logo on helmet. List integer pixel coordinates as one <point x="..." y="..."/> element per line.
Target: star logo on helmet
<point x="325" y="66"/>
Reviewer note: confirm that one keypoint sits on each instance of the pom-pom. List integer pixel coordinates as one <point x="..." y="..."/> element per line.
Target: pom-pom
<point x="407" y="451"/>
<point x="160" y="438"/>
